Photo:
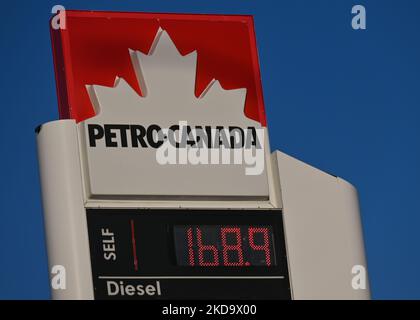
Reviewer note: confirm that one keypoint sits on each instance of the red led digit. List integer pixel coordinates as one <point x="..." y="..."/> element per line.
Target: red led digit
<point x="263" y="247"/>
<point x="232" y="247"/>
<point x="202" y="248"/>
<point x="190" y="246"/>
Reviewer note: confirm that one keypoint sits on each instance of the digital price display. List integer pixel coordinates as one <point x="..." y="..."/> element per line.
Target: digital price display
<point x="188" y="254"/>
<point x="224" y="246"/>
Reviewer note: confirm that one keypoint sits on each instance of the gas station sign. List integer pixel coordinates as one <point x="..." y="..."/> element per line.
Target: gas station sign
<point x="210" y="254"/>
<point x="158" y="181"/>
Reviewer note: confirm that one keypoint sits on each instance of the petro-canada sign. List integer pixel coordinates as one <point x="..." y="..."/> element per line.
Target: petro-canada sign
<point x="158" y="130"/>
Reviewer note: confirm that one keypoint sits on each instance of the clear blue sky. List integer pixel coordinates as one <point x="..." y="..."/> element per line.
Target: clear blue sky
<point x="345" y="101"/>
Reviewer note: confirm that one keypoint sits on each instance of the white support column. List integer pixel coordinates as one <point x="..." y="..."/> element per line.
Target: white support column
<point x="64" y="212"/>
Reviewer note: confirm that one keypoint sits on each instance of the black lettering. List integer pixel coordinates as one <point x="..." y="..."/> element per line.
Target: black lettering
<point x="191" y="139"/>
<point x="96" y="132"/>
<point x="209" y="137"/>
<point x="222" y="138"/>
<point x="171" y="135"/>
<point x="234" y="133"/>
<point x="150" y="136"/>
<point x="123" y="133"/>
<point x="252" y="141"/>
<point x="109" y="136"/>
<point x="137" y="135"/>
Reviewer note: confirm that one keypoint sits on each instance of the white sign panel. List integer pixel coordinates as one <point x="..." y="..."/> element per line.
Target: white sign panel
<point x="171" y="142"/>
